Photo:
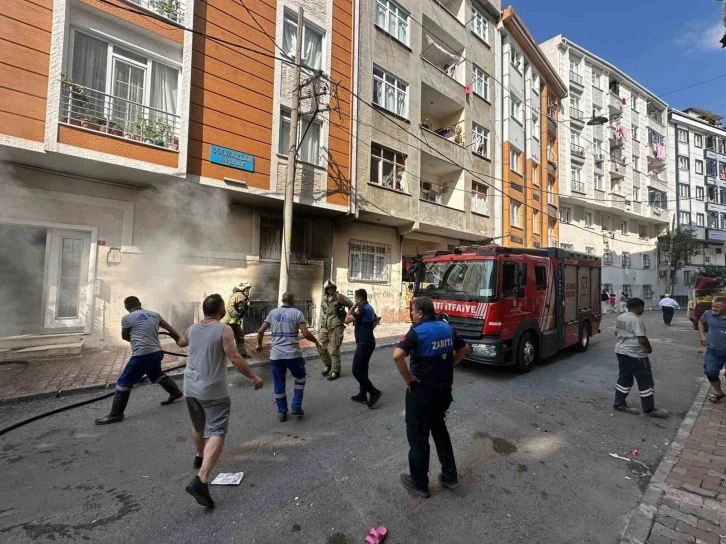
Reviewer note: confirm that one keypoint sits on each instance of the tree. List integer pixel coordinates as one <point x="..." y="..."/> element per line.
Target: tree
<point x="712" y="271"/>
<point x="678" y="246"/>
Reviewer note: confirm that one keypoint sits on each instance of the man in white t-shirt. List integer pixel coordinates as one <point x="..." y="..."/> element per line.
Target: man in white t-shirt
<point x="668" y="307"/>
<point x="632" y="349"/>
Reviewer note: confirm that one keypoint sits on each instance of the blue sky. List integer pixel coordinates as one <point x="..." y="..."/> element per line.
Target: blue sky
<point x="663" y="44"/>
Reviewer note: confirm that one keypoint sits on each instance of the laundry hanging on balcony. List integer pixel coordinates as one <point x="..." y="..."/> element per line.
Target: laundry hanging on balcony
<point x="622" y="133"/>
<point x="659" y="151"/>
<point x="447" y="61"/>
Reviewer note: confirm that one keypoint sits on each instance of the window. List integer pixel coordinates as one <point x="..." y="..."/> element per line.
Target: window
<point x="540" y="278"/>
<point x="718" y="251"/>
<point x="682" y="136"/>
<point x="574" y="67"/>
<point x="590" y="250"/>
<point x="684" y="218"/>
<point x="312" y="42"/>
<point x="647" y="292"/>
<point x="684" y="191"/>
<point x="635" y="133"/>
<point x="515" y="108"/>
<point x="687" y="276"/>
<point x="596" y="111"/>
<point x="565" y="215"/>
<point x="711" y="167"/>
<point x="535" y="222"/>
<point x="683" y="163"/>
<point x="517" y="60"/>
<point x="646" y="261"/>
<point x="390" y="93"/>
<point x="309" y="147"/>
<point x="479" y="24"/>
<point x="698" y="140"/>
<point x="480" y="82"/>
<point x="636" y="163"/>
<point x="634" y="102"/>
<point x="699" y="220"/>
<point x="479" y="198"/>
<point x="625" y="259"/>
<point x="636" y="194"/>
<point x="368" y="261"/>
<point x="623" y="226"/>
<point x="643" y="232"/>
<point x="607" y="260"/>
<point x="388" y="168"/>
<point x="699" y="193"/>
<point x="628" y="290"/>
<point x="509" y="271"/>
<point x="514" y="209"/>
<point x="535" y="124"/>
<point x="535" y="83"/>
<point x="575" y="174"/>
<point x="271" y="240"/>
<point x="711" y="142"/>
<point x="535" y="174"/>
<point x="480" y="140"/>
<point x="597" y="147"/>
<point x="598" y="182"/>
<point x="588" y="219"/>
<point x="392" y="19"/>
<point x="515" y="160"/>
<point x="596" y="79"/>
<point x="699" y="168"/>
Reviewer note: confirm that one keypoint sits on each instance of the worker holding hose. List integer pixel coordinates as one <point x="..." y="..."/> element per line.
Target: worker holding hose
<point x="140" y="327"/>
<point x="236" y="309"/>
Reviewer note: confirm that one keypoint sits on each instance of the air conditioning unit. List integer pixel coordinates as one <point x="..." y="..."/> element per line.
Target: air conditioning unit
<point x="599" y="157"/>
<point x="663" y="274"/>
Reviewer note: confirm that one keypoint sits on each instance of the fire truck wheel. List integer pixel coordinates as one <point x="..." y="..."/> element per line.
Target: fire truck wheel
<point x="526" y="353"/>
<point x="584" y="341"/>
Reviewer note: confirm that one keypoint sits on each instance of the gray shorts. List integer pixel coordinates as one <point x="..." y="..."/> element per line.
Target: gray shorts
<point x="210" y="416"/>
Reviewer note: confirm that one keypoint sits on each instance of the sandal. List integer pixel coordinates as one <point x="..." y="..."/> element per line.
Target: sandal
<point x="377" y="535"/>
<point x="716" y="397"/>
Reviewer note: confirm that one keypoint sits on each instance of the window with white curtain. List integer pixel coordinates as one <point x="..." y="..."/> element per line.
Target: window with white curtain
<point x="480" y="82"/>
<point x="515" y="109"/>
<point x="515" y="160"/>
<point x="390" y="93"/>
<point x="479" y="140"/>
<point x="479" y="193"/>
<point x="479" y="24"/>
<point x="308" y="135"/>
<point x="392" y="19"/>
<point x="312" y="42"/>
<point x="368" y="261"/>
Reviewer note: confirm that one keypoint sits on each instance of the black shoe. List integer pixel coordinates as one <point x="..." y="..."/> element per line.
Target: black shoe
<point x="408" y="484"/>
<point x="120" y="400"/>
<point x="297" y="412"/>
<point x="360" y="397"/>
<point x="172" y="388"/>
<point x="200" y="491"/>
<point x="197" y="462"/>
<point x="333" y="376"/>
<point x="375" y="397"/>
<point x="627" y="409"/>
<point x="326" y="371"/>
<point x="282" y="417"/>
<point x="448" y="485"/>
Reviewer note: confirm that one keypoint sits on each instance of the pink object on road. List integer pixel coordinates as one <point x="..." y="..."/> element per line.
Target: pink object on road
<point x="377" y="535"/>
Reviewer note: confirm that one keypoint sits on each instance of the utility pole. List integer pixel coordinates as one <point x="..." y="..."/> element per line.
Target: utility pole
<point x="291" y="164"/>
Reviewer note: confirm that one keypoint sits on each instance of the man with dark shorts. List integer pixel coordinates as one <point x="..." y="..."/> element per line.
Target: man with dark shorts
<point x="712" y="330"/>
<point x="365" y="319"/>
<point x="210" y="343"/>
<point x="435" y="350"/>
<point x="141" y="328"/>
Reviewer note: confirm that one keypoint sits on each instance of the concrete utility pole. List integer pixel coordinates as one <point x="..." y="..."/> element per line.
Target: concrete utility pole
<point x="291" y="165"/>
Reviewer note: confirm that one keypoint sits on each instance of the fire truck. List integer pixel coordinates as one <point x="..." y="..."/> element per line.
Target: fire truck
<point x="513" y="306"/>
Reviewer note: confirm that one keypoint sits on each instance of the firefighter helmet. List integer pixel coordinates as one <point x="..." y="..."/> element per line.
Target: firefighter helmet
<point x="329" y="284"/>
<point x="242" y="286"/>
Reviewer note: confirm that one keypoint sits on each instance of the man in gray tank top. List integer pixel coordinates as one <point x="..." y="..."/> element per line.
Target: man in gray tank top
<point x="210" y="343"/>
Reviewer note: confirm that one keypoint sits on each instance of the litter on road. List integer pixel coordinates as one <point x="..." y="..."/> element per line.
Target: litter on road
<point x="228" y="478"/>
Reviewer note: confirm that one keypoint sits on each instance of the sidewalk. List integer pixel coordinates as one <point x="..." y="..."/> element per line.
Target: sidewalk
<point x="101" y="367"/>
<point x="685" y="501"/>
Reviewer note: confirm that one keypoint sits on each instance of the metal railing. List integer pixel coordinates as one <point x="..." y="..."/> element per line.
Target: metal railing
<point x="576" y="114"/>
<point x="576" y="78"/>
<point x="615" y="101"/>
<point x="551" y="156"/>
<point x="577" y="187"/>
<point x="552" y="198"/>
<point x="170" y="9"/>
<point x="258" y="310"/>
<point x="577" y="150"/>
<point x="652" y="116"/>
<point x="95" y="110"/>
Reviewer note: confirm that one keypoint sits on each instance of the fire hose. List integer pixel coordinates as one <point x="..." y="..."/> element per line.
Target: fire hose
<point x="83" y="402"/>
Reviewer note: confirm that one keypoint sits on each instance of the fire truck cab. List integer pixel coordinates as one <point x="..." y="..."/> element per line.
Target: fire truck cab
<point x="514" y="306"/>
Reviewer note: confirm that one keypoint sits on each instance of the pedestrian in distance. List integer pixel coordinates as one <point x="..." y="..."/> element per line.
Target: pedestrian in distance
<point x="611" y="301"/>
<point x="632" y="348"/>
<point x="712" y="330"/>
<point x="604" y="297"/>
<point x="284" y="323"/>
<point x="140" y="327"/>
<point x="210" y="344"/>
<point x="365" y="319"/>
<point x="435" y="349"/>
<point x="235" y="311"/>
<point x="334" y="309"/>
<point x="623" y="302"/>
<point x="668" y="306"/>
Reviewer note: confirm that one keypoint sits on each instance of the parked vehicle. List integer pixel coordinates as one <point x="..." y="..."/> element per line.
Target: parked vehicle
<point x="699" y="298"/>
<point x="514" y="306"/>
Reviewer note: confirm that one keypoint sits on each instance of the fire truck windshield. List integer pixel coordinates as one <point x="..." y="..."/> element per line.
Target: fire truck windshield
<point x="459" y="280"/>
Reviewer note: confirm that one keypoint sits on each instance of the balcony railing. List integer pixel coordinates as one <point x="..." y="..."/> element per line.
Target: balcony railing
<point x="654" y="117"/>
<point x="614" y="101"/>
<point x="94" y="110"/>
<point x="577" y="187"/>
<point x="576" y="115"/>
<point x="577" y="150"/>
<point x="551" y="156"/>
<point x="170" y="9"/>
<point x="576" y="78"/>
<point x="552" y="198"/>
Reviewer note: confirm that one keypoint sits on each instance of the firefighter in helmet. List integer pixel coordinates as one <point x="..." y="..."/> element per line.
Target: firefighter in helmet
<point x="334" y="309"/>
<point x="236" y="308"/>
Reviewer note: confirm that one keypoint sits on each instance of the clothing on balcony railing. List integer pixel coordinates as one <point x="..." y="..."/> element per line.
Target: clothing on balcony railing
<point x="659" y="151"/>
<point x="622" y="133"/>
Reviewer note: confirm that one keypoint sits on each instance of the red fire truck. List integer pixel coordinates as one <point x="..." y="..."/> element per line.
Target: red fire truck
<point x="514" y="306"/>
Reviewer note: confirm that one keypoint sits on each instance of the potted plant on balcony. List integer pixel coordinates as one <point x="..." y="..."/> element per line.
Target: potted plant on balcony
<point x="162" y="133"/>
<point x="169" y="8"/>
<point x="112" y="128"/>
<point x="90" y="122"/>
<point x="77" y="100"/>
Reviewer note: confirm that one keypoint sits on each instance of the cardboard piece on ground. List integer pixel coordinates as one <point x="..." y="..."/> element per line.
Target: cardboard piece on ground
<point x="228" y="478"/>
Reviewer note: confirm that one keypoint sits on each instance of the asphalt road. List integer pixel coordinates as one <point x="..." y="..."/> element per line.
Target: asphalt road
<point x="532" y="452"/>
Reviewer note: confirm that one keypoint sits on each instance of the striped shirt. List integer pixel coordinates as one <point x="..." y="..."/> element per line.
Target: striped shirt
<point x="284" y="325"/>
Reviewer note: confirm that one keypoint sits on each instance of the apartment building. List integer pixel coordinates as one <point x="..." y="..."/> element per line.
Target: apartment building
<point x="142" y="159"/>
<point x="425" y="141"/>
<point x="613" y="178"/>
<point x="531" y="91"/>
<point x="697" y="164"/>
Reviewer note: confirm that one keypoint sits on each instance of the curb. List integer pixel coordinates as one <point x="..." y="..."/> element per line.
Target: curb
<point x="62" y="393"/>
<point x="637" y="529"/>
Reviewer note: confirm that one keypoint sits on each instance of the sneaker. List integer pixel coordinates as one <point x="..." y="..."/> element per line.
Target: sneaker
<point x="375" y="397"/>
<point x="627" y="409"/>
<point x="326" y="371"/>
<point x="448" y="485"/>
<point x="407" y="482"/>
<point x="200" y="491"/>
<point x="333" y="376"/>
<point x="197" y="462"/>
<point x="282" y="417"/>
<point x="297" y="412"/>
<point x="659" y="413"/>
<point x="360" y="397"/>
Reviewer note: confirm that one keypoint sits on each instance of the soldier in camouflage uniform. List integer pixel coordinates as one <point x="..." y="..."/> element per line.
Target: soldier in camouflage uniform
<point x="236" y="309"/>
<point x="334" y="309"/>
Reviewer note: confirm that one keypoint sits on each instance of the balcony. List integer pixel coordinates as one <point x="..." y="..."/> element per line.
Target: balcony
<point x="715" y="207"/>
<point x="441" y="182"/>
<point x="455" y="8"/>
<point x="614" y="137"/>
<point x="577" y="187"/>
<point x="716" y="234"/>
<point x="551" y="125"/>
<point x="615" y="103"/>
<point x="657" y="183"/>
<point x="552" y="198"/>
<point x="616" y="169"/>
<point x="577" y="115"/>
<point x="93" y="110"/>
<point x="443" y="124"/>
<point x="578" y="152"/>
<point x="656" y="157"/>
<point x="170" y="9"/>
<point x="443" y="65"/>
<point x="618" y="201"/>
<point x="551" y="157"/>
<point x="655" y="212"/>
<point x="576" y="79"/>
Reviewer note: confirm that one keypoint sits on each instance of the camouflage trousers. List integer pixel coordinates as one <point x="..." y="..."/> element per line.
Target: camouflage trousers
<point x="331" y="339"/>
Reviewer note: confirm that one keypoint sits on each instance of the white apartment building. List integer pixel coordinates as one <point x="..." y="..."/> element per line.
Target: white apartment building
<point x="613" y="183"/>
<point x="697" y="164"/>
